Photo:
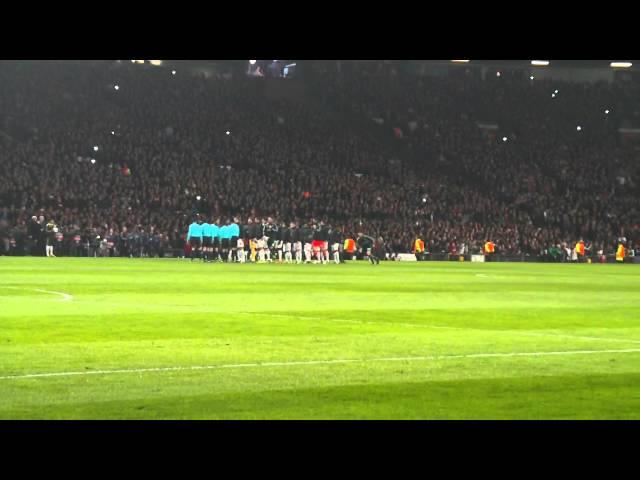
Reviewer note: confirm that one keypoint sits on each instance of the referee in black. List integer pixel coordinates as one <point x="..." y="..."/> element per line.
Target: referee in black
<point x="365" y="243"/>
<point x="34" y="232"/>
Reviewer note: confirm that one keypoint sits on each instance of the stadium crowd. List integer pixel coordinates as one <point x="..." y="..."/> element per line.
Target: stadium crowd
<point x="117" y="151"/>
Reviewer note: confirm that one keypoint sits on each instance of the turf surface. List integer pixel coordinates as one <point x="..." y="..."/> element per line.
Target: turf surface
<point x="171" y="339"/>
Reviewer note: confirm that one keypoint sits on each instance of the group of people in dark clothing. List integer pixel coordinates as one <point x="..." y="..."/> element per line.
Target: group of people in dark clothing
<point x="46" y="238"/>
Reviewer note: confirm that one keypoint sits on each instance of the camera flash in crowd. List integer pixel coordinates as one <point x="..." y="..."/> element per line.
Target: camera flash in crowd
<point x="117" y="87"/>
<point x="112" y="132"/>
<point x="228" y="132"/>
<point x="173" y="72"/>
<point x="578" y="128"/>
<point x="95" y="148"/>
<point x="93" y="160"/>
<point x="606" y="112"/>
<point x="198" y="197"/>
<point x="531" y="77"/>
<point x="504" y="139"/>
<point x="498" y="74"/>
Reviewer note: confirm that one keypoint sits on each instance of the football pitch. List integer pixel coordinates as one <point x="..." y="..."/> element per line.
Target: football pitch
<point x="174" y="339"/>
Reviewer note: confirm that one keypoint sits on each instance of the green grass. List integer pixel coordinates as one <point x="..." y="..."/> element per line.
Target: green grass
<point x="397" y="341"/>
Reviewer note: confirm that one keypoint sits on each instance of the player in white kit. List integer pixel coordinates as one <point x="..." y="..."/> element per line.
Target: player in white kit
<point x="307" y="252"/>
<point x="240" y="250"/>
<point x="261" y="249"/>
<point x="297" y="248"/>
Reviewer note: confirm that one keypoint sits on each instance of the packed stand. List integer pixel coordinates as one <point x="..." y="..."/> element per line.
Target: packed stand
<point x="169" y="146"/>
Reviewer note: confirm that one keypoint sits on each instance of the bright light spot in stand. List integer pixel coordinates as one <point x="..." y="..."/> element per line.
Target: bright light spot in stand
<point x="498" y="74"/>
<point x="621" y="64"/>
<point x="93" y="160"/>
<point x="227" y="132"/>
<point x="252" y="62"/>
<point x="606" y="112"/>
<point x="198" y="197"/>
<point x="555" y="91"/>
<point x="578" y="128"/>
<point x="112" y="132"/>
<point x="95" y="148"/>
<point x="173" y="72"/>
<point x="553" y="95"/>
<point x="531" y="77"/>
<point x="424" y="200"/>
<point x="116" y="87"/>
<point x="504" y="139"/>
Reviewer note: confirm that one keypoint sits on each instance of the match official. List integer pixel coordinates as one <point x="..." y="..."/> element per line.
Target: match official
<point x="207" y="241"/>
<point x="194" y="238"/>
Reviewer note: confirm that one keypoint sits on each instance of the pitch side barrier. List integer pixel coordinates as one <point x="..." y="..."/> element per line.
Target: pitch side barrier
<point x="447" y="257"/>
<point x="410" y="257"/>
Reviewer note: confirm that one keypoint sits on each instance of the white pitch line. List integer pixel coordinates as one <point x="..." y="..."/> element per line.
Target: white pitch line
<point x="319" y="362"/>
<point x="66" y="297"/>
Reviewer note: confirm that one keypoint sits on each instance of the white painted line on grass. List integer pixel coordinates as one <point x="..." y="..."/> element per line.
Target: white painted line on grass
<point x="319" y="362"/>
<point x="66" y="297"/>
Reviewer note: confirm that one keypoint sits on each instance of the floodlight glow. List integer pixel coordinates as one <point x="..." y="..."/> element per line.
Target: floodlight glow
<point x="157" y="63"/>
<point x="540" y="63"/>
<point x="460" y="61"/>
<point x="139" y="61"/>
<point x="252" y="62"/>
<point x="621" y="64"/>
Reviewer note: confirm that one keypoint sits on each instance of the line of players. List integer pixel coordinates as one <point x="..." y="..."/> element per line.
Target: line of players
<point x="263" y="241"/>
